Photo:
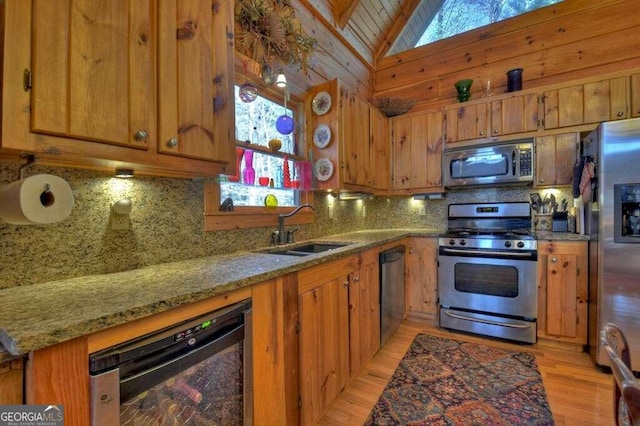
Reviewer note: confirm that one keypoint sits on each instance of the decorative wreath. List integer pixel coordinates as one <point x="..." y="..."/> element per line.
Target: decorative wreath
<point x="268" y="31"/>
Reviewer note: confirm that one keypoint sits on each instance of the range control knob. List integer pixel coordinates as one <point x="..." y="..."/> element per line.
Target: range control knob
<point x="452" y="242"/>
<point x="463" y="242"/>
<point x="507" y="243"/>
<point x="520" y="244"/>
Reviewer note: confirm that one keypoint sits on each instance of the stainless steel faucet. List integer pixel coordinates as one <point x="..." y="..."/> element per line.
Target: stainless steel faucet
<point x="281" y="237"/>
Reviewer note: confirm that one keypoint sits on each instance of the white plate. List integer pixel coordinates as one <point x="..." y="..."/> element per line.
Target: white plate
<point x="322" y="136"/>
<point x="323" y="169"/>
<point x="321" y="103"/>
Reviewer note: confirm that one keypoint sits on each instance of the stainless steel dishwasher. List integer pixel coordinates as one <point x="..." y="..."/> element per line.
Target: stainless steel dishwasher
<point x="391" y="291"/>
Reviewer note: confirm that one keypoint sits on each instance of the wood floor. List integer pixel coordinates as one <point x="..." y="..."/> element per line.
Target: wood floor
<point x="578" y="392"/>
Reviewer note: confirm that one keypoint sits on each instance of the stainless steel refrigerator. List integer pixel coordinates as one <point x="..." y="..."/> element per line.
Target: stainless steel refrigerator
<point x="613" y="222"/>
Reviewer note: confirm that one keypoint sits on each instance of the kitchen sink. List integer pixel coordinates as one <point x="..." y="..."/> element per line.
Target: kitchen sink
<point x="306" y="249"/>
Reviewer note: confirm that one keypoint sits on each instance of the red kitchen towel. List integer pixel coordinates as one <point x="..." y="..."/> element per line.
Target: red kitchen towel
<point x="585" y="182"/>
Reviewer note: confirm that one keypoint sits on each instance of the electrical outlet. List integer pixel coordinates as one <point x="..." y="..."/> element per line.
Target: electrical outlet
<point x="119" y="221"/>
<point x="423" y="210"/>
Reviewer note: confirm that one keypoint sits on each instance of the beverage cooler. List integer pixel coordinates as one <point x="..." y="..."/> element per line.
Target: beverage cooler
<point x="197" y="372"/>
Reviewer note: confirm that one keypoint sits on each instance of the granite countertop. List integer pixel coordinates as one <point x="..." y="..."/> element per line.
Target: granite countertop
<point x="36" y="316"/>
<point x="560" y="236"/>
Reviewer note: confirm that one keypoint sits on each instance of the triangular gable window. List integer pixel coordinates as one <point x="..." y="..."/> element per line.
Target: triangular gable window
<point x="435" y="20"/>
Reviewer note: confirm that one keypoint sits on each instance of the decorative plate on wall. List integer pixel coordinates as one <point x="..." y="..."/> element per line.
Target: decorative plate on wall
<point x="321" y="103"/>
<point x="322" y="136"/>
<point x="323" y="169"/>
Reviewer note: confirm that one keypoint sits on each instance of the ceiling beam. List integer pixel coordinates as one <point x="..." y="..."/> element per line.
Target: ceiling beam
<point x="343" y="11"/>
<point x="338" y="34"/>
<point x="408" y="7"/>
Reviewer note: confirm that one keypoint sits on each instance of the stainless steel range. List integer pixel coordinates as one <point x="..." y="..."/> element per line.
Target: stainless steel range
<point x="487" y="272"/>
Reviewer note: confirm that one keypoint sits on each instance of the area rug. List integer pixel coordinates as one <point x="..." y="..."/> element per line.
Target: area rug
<point x="442" y="381"/>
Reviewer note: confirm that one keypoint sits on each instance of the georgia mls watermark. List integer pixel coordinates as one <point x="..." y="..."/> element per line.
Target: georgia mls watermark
<point x="31" y="415"/>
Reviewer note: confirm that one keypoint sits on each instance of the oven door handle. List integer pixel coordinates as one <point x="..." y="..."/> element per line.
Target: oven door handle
<point x="518" y="254"/>
<point x="503" y="324"/>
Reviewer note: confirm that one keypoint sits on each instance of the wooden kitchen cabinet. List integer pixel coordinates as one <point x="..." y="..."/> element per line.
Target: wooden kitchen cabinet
<point x="339" y="314"/>
<point x="514" y="114"/>
<point x="590" y="102"/>
<point x="196" y="112"/>
<point x="467" y="122"/>
<point x="354" y="135"/>
<point x="635" y="95"/>
<point x="417" y="153"/>
<point x="422" y="278"/>
<point x="364" y="312"/>
<point x="323" y="298"/>
<point x="379" y="151"/>
<point x="84" y="87"/>
<point x="555" y="158"/>
<point x="562" y="291"/>
<point x="505" y="115"/>
<point x="11" y="382"/>
<point x="359" y="145"/>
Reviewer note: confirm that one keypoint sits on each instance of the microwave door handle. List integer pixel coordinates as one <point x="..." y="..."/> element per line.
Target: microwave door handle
<point x="513" y="162"/>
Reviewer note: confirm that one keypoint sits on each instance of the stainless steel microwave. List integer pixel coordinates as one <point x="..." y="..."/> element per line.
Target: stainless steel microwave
<point x="509" y="163"/>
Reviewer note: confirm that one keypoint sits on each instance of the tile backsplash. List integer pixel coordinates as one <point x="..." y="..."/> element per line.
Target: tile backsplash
<point x="167" y="225"/>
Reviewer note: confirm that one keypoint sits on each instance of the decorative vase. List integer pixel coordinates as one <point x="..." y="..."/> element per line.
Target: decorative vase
<point x="464" y="89"/>
<point x="236" y="177"/>
<point x="249" y="173"/>
<point x="286" y="175"/>
<point x="514" y="80"/>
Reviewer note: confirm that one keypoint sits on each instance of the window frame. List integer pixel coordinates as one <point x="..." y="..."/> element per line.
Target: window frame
<point x="245" y="217"/>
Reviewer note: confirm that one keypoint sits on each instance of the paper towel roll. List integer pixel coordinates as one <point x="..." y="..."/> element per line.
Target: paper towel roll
<point x="35" y="200"/>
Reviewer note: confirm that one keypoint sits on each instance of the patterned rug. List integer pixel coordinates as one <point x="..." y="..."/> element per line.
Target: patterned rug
<point x="449" y="382"/>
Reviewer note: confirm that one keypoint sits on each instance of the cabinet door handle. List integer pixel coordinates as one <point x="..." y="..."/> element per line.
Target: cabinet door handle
<point x="620" y="113"/>
<point x="554" y="260"/>
<point x="172" y="143"/>
<point x="495" y="131"/>
<point x="346" y="283"/>
<point x="141" y="135"/>
<point x="481" y="132"/>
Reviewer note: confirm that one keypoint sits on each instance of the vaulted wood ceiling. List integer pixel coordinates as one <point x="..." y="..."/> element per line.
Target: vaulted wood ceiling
<point x="370" y="27"/>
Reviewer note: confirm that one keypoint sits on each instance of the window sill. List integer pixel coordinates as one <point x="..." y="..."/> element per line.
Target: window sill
<point x="254" y="217"/>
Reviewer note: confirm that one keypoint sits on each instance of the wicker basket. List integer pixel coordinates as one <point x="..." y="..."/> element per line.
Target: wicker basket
<point x="393" y="106"/>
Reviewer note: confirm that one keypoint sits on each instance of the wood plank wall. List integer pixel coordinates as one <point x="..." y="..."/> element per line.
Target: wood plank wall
<point x="333" y="58"/>
<point x="571" y="40"/>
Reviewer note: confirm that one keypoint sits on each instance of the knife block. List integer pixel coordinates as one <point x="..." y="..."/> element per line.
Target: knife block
<point x="542" y="222"/>
<point x="559" y="222"/>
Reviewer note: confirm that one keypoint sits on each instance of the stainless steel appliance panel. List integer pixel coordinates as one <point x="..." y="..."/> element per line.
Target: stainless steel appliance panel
<point x="488" y="325"/>
<point x="505" y="286"/>
<point x="496" y="164"/>
<point x="392" y="291"/>
<point x="615" y="277"/>
<point x="199" y="369"/>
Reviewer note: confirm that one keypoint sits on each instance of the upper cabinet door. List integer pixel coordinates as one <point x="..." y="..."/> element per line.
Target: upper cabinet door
<point x="354" y="120"/>
<point x="379" y="150"/>
<point x="586" y="103"/>
<point x="517" y="114"/>
<point x="635" y="95"/>
<point x="467" y="122"/>
<point x="417" y="152"/>
<point x="92" y="70"/>
<point x="195" y="86"/>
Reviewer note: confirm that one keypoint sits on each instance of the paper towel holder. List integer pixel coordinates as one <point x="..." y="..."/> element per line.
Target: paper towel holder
<point x="30" y="160"/>
<point x="120" y="211"/>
